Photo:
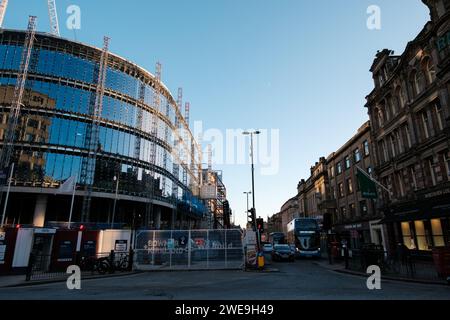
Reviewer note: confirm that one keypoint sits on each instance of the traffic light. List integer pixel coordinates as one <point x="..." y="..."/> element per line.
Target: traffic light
<point x="251" y="217"/>
<point x="260" y="225"/>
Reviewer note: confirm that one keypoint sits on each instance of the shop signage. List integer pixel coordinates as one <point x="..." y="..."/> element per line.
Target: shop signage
<point x="443" y="42"/>
<point x="353" y="226"/>
<point x="121" y="245"/>
<point x="251" y="255"/>
<point x="250" y="238"/>
<point x="89" y="248"/>
<point x="44" y="231"/>
<point x="65" y="251"/>
<point x="437" y="193"/>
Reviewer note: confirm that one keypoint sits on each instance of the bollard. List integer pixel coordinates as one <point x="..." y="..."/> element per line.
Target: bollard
<point x="30" y="267"/>
<point x="130" y="260"/>
<point x="112" y="262"/>
<point x="346" y="257"/>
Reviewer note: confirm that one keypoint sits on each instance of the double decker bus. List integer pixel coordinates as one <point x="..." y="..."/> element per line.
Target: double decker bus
<point x="304" y="234"/>
<point x="277" y="238"/>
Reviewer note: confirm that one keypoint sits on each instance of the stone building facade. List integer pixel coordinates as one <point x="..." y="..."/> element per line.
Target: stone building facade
<point x="354" y="217"/>
<point x="410" y="127"/>
<point x="313" y="192"/>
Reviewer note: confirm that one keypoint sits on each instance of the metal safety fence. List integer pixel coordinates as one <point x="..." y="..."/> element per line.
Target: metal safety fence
<point x="47" y="267"/>
<point x="189" y="250"/>
<point x="407" y="266"/>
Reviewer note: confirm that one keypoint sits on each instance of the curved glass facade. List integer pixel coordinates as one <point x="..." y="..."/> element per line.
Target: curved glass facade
<point x="57" y="111"/>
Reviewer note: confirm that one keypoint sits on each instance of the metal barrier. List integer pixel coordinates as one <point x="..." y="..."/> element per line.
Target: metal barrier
<point x="189" y="250"/>
<point x="406" y="266"/>
<point x="44" y="267"/>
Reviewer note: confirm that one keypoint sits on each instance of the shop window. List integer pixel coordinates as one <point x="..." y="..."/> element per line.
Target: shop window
<point x="408" y="237"/>
<point x="422" y="236"/>
<point x="438" y="235"/>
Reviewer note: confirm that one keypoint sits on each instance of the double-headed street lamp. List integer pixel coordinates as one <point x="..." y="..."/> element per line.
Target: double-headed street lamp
<point x="251" y="134"/>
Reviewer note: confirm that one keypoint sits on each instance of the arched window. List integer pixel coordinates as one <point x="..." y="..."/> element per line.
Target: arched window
<point x="385" y="109"/>
<point x="399" y="96"/>
<point x="429" y="70"/>
<point x="417" y="82"/>
<point x="393" y="104"/>
<point x="420" y="81"/>
<point x="379" y="116"/>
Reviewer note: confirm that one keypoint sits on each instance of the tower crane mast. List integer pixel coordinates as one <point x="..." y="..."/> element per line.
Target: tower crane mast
<point x="3" y="6"/>
<point x="53" y="14"/>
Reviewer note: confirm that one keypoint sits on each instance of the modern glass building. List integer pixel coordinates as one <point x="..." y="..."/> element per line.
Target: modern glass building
<point x="136" y="171"/>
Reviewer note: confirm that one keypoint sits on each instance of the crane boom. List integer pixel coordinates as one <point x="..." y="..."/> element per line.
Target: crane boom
<point x="53" y="14"/>
<point x="3" y="6"/>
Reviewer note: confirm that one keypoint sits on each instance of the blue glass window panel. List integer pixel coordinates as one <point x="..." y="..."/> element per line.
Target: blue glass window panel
<point x="49" y="164"/>
<point x="58" y="167"/>
<point x="108" y="140"/>
<point x="114" y="141"/>
<point x="67" y="168"/>
<point x="80" y="135"/>
<point x="54" y="130"/>
<point x="76" y="168"/>
<point x="102" y="137"/>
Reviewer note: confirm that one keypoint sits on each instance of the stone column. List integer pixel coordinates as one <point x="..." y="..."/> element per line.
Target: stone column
<point x="39" y="211"/>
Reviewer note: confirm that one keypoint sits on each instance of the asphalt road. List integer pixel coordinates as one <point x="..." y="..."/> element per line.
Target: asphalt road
<point x="302" y="280"/>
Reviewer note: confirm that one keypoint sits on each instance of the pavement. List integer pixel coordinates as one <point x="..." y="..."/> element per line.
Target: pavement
<point x="19" y="280"/>
<point x="340" y="267"/>
<point x="301" y="280"/>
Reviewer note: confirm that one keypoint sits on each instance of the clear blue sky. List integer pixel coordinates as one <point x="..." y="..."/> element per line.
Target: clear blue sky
<point x="295" y="65"/>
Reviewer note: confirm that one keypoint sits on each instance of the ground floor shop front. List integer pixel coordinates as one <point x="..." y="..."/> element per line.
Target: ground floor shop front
<point x="421" y="225"/>
<point x="360" y="233"/>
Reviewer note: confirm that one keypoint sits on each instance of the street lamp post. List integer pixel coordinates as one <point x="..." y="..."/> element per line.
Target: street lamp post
<point x="116" y="178"/>
<point x="251" y="134"/>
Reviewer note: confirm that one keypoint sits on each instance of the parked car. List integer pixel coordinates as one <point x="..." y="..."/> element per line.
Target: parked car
<point x="267" y="248"/>
<point x="282" y="252"/>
